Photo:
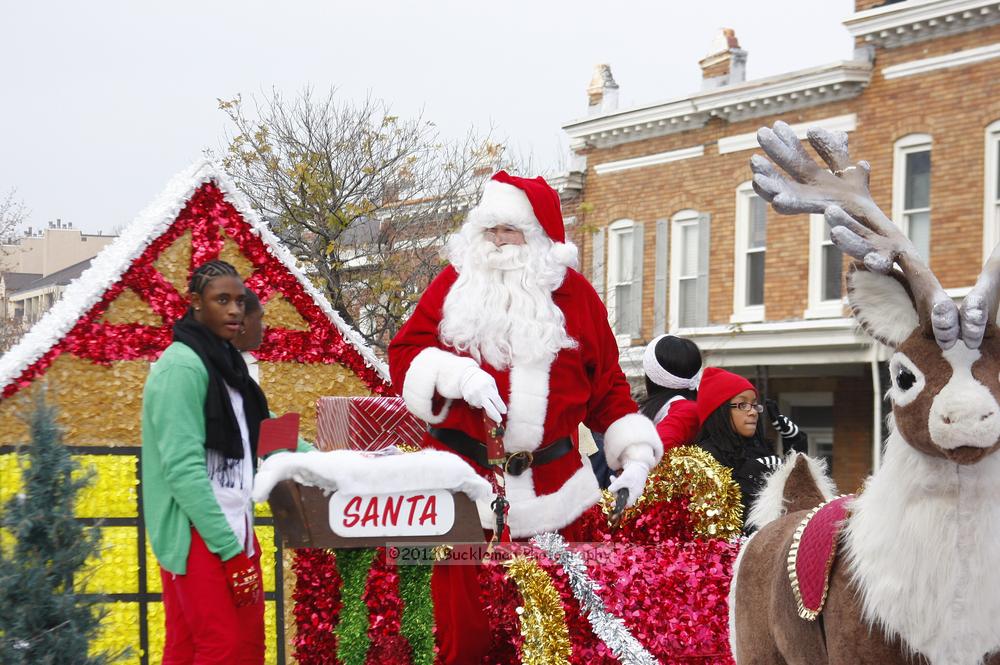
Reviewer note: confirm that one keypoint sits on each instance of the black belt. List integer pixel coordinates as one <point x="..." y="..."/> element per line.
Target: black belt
<point x="515" y="463"/>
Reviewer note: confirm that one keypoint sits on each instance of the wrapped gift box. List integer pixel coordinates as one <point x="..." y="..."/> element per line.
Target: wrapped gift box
<point x="366" y="423"/>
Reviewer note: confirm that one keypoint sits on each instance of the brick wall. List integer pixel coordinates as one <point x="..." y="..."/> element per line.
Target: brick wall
<point x="953" y="105"/>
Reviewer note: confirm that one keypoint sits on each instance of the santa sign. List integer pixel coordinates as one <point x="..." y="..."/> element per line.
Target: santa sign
<point x="425" y="513"/>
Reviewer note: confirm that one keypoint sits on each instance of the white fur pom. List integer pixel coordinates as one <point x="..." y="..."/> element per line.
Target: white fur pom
<point x="632" y="436"/>
<point x="770" y="503"/>
<point x="565" y="254"/>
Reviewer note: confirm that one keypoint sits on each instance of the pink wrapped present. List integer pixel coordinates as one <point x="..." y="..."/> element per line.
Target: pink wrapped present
<point x="366" y="423"/>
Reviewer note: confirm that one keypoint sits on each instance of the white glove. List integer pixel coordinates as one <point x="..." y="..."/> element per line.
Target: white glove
<point x="633" y="477"/>
<point x="479" y="391"/>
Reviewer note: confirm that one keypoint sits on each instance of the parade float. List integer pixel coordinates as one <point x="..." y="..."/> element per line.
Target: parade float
<point x="652" y="589"/>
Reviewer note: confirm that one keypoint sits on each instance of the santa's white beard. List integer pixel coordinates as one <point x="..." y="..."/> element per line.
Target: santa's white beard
<point x="500" y="309"/>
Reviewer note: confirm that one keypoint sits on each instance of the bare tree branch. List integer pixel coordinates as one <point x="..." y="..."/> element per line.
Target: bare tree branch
<point x="362" y="197"/>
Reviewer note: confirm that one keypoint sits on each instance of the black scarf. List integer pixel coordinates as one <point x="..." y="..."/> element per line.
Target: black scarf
<point x="225" y="365"/>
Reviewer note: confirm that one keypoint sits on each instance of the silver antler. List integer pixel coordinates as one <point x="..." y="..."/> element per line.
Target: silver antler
<point x="979" y="309"/>
<point x="857" y="225"/>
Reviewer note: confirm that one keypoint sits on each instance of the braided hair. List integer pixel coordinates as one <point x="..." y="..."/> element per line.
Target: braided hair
<point x="208" y="271"/>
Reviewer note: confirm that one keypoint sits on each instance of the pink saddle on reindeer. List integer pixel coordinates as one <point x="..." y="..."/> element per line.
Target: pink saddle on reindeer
<point x="811" y="555"/>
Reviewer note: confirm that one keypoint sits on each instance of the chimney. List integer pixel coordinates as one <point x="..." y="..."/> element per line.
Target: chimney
<point x="602" y="93"/>
<point x="726" y="64"/>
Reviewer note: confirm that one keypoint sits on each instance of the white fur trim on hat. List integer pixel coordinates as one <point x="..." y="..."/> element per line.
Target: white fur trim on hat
<point x="660" y="376"/>
<point x="433" y="371"/>
<point x="565" y="254"/>
<point x="503" y="204"/>
<point x="632" y="437"/>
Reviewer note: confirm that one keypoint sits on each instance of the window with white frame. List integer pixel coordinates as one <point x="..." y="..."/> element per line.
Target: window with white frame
<point x="911" y="190"/>
<point x="685" y="270"/>
<point x="825" y="271"/>
<point x="620" y="271"/>
<point x="751" y="249"/>
<point x="991" y="210"/>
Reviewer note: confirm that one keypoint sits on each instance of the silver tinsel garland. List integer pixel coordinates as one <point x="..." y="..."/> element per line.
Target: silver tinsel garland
<point x="609" y="628"/>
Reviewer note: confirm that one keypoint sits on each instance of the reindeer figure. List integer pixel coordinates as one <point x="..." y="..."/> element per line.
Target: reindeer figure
<point x="915" y="577"/>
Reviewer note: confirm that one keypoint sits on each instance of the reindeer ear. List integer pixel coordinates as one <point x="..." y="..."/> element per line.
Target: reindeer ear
<point x="882" y="305"/>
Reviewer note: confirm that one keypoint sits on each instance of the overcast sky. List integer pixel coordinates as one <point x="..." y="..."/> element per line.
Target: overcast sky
<point x="102" y="102"/>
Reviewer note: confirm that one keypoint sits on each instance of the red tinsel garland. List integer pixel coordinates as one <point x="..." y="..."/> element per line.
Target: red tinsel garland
<point x="500" y="599"/>
<point x="317" y="606"/>
<point x="385" y="608"/>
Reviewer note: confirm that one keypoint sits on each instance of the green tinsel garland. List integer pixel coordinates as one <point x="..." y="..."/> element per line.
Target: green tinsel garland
<point x="417" y="624"/>
<point x="352" y="629"/>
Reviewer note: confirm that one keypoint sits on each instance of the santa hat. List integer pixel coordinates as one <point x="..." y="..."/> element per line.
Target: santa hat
<point x="524" y="203"/>
<point x="716" y="388"/>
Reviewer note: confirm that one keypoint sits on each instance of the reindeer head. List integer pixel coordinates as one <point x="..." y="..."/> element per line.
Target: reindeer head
<point x="946" y="368"/>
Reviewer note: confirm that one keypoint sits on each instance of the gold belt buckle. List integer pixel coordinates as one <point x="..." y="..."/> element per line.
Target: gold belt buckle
<point x="525" y="455"/>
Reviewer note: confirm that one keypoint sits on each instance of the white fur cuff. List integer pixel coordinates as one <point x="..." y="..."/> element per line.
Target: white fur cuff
<point x="433" y="371"/>
<point x="632" y="437"/>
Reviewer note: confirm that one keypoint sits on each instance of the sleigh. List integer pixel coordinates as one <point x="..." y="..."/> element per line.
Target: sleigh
<point x="652" y="590"/>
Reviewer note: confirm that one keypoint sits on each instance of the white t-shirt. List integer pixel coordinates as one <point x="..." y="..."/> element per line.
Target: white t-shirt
<point x="235" y="501"/>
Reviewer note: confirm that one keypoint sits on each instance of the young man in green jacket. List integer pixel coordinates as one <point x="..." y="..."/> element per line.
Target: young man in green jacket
<point x="200" y="421"/>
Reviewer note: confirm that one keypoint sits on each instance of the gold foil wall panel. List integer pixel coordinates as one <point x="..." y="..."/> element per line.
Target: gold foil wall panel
<point x="128" y="307"/>
<point x="174" y="263"/>
<point x="297" y="386"/>
<point x="97" y="404"/>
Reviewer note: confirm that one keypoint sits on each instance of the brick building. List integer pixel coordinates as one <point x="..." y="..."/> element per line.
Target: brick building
<point x="673" y="237"/>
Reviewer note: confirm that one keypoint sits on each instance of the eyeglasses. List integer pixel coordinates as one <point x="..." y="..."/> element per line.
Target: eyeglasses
<point x="748" y="406"/>
<point x="503" y="233"/>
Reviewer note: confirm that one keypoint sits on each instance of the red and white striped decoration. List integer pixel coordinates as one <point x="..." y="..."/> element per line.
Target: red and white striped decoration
<point x="366" y="423"/>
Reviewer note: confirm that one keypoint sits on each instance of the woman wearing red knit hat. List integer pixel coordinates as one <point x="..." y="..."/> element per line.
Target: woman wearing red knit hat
<point x="729" y="412"/>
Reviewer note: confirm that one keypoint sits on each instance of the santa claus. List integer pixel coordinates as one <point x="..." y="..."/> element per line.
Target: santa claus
<point x="510" y="328"/>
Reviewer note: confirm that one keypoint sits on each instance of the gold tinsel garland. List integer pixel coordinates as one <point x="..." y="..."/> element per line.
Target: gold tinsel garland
<point x="714" y="499"/>
<point x="543" y="620"/>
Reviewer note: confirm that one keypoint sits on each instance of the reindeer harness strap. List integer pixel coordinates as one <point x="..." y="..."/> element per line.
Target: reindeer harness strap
<point x="810" y="558"/>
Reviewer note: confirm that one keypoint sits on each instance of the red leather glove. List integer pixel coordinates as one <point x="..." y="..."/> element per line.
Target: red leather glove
<point x="243" y="578"/>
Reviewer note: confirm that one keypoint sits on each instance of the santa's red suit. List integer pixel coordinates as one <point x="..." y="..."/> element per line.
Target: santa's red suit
<point x="547" y="396"/>
<point x="545" y="401"/>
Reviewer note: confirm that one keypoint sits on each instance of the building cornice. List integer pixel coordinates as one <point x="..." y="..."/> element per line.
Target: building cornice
<point x="912" y="21"/>
<point x="748" y="140"/>
<point x="650" y="160"/>
<point x="959" y="59"/>
<point x="768" y="96"/>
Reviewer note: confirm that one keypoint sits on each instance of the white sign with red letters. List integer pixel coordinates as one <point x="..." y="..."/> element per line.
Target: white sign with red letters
<point x="414" y="513"/>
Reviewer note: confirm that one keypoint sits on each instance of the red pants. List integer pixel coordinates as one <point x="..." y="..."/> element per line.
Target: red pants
<point x="463" y="628"/>
<point x="204" y="627"/>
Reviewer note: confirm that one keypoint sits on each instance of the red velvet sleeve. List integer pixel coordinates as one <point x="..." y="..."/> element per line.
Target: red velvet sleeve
<point x="680" y="426"/>
<point x="610" y="394"/>
<point x="421" y="330"/>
